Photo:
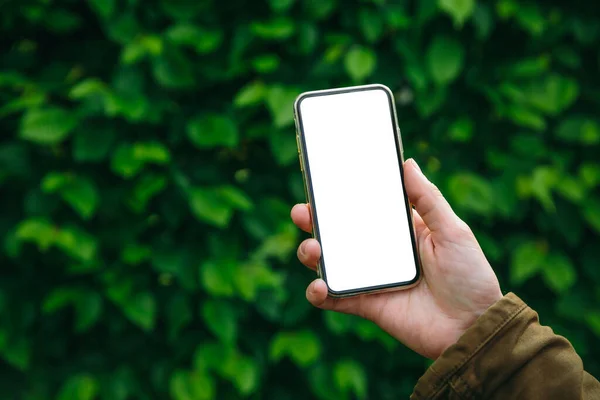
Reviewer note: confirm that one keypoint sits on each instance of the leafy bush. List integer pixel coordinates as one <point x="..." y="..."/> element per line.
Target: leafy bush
<point x="148" y="165"/>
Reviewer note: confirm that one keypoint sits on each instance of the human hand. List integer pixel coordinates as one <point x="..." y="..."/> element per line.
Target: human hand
<point x="458" y="283"/>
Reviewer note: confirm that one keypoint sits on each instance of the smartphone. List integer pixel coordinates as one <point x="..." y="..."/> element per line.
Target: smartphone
<point x="351" y="158"/>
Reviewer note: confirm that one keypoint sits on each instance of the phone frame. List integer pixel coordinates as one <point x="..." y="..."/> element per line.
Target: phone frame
<point x="308" y="190"/>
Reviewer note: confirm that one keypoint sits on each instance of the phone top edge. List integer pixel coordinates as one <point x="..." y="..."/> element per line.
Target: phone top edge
<point x="322" y="92"/>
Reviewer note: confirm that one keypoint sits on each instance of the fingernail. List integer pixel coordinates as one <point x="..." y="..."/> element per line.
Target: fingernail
<point x="303" y="248"/>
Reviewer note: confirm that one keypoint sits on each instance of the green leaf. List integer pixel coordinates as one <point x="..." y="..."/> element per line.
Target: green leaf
<point x="27" y="101"/>
<point x="591" y="213"/>
<point x="553" y="94"/>
<point x="251" y="94"/>
<point x="145" y="189"/>
<point x="320" y="378"/>
<point x="124" y="163"/>
<point x="593" y="321"/>
<point x="246" y="376"/>
<point x="543" y="181"/>
<point x="472" y="193"/>
<point x="308" y="36"/>
<point x="218" y="278"/>
<point x="213" y="130"/>
<point x="371" y="24"/>
<point x="151" y="152"/>
<point x="571" y="189"/>
<point x="62" y="21"/>
<point x="202" y="40"/>
<point x="104" y="8"/>
<point x="303" y="347"/>
<point x="531" y="19"/>
<point x="234" y="197"/>
<point x="280" y="102"/>
<point x="76" y="243"/>
<point x="338" y="323"/>
<point x="79" y="192"/>
<point x="47" y="126"/>
<point x="255" y="276"/>
<point x="266" y="63"/>
<point x="426" y="10"/>
<point x="431" y="100"/>
<point x="459" y="10"/>
<point x="179" y="315"/>
<point x="214" y="356"/>
<point x="351" y="377"/>
<point x="444" y="59"/>
<point x="88" y="309"/>
<point x="279" y="245"/>
<point x="589" y="173"/>
<point x="37" y="230"/>
<point x="141" y="310"/>
<point x="195" y="385"/>
<point x="142" y="46"/>
<point x="18" y="354"/>
<point x="483" y="20"/>
<point x="559" y="273"/>
<point x="527" y="260"/>
<point x="81" y="387"/>
<point x="397" y="17"/>
<point x="279" y="28"/>
<point x="59" y="298"/>
<point x="360" y="63"/>
<point x="221" y="319"/>
<point x="182" y="9"/>
<point x="283" y="147"/>
<point x="129" y="159"/>
<point x="461" y="130"/>
<point x="580" y="130"/>
<point x="173" y="70"/>
<point x="281" y="5"/>
<point x="208" y="206"/>
<point x="87" y="88"/>
<point x="92" y="145"/>
<point x="320" y="9"/>
<point x="134" y="254"/>
<point x="525" y="117"/>
<point x="530" y="67"/>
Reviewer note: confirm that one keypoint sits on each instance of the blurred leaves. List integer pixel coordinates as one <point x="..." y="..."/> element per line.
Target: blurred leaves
<point x="47" y="126"/>
<point x="445" y="59"/>
<point x="81" y="387"/>
<point x="351" y="377"/>
<point x="79" y="192"/>
<point x="217" y="205"/>
<point x="149" y="165"/>
<point x="221" y="319"/>
<point x="360" y="63"/>
<point x="459" y="10"/>
<point x="212" y="130"/>
<point x="302" y="347"/>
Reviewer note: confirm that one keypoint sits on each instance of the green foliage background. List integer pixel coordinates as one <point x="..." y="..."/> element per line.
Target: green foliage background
<point x="148" y="166"/>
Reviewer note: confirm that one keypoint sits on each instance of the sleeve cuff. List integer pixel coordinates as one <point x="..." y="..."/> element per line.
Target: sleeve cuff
<point x="449" y="369"/>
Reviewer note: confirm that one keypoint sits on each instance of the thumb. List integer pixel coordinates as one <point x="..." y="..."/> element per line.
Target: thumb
<point x="427" y="199"/>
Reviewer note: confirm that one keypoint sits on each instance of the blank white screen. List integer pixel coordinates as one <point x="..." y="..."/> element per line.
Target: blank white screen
<point x="357" y="188"/>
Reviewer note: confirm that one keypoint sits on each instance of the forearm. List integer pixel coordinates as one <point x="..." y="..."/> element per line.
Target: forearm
<point x="508" y="354"/>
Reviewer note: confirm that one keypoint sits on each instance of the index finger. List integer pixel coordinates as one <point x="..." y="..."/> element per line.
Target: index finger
<point x="301" y="217"/>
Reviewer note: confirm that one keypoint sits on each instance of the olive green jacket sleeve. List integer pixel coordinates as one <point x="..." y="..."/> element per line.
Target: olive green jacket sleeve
<point x="507" y="354"/>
